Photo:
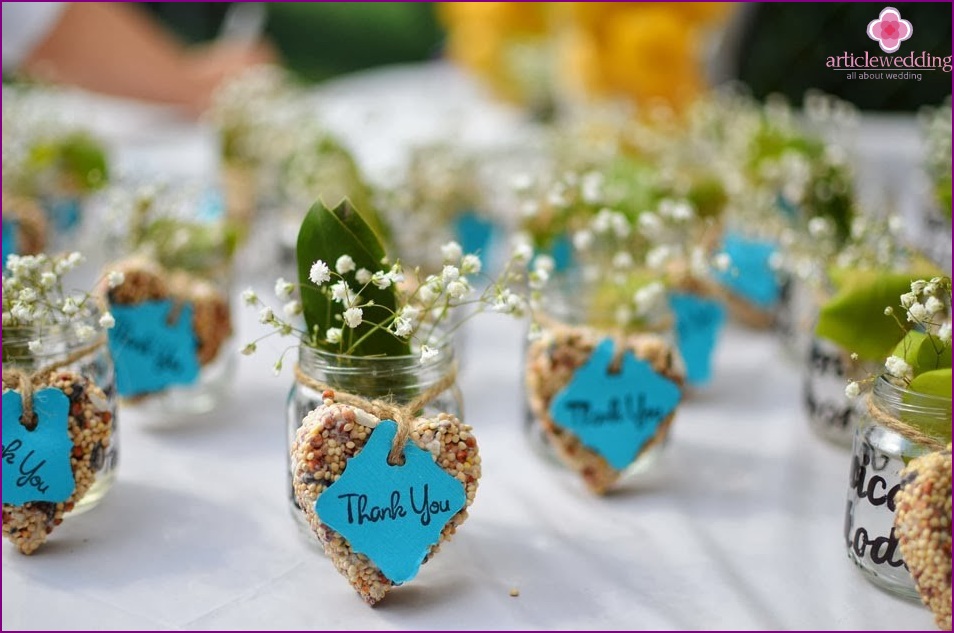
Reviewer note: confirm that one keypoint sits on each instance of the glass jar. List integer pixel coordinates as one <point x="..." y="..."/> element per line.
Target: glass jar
<point x="84" y="368"/>
<point x="553" y="360"/>
<point x="399" y="378"/>
<point x="878" y="456"/>
<point x="827" y="370"/>
<point x="206" y="360"/>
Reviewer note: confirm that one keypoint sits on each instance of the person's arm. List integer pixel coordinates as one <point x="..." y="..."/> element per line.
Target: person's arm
<point x="116" y="49"/>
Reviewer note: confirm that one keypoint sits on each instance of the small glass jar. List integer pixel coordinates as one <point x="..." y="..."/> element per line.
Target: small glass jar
<point x="565" y="343"/>
<point x="828" y="368"/>
<point x="86" y="363"/>
<point x="878" y="456"/>
<point x="399" y="378"/>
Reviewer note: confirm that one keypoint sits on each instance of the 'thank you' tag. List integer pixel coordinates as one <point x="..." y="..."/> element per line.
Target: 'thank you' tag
<point x="154" y="346"/>
<point x="36" y="463"/>
<point x="698" y="323"/>
<point x="615" y="414"/>
<point x="391" y="514"/>
<point x="750" y="274"/>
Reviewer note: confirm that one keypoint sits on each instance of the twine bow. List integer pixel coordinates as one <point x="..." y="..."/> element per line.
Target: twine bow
<point x="26" y="382"/>
<point x="403" y="415"/>
<point x="908" y="431"/>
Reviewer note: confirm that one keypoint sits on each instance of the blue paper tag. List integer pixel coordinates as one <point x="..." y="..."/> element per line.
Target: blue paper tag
<point x="211" y="206"/>
<point x="561" y="250"/>
<point x="64" y="213"/>
<point x="749" y="274"/>
<point x="391" y="514"/>
<point x="10" y="229"/>
<point x="698" y="324"/>
<point x="615" y="414"/>
<point x="36" y="464"/>
<point x="474" y="233"/>
<point x="154" y="346"/>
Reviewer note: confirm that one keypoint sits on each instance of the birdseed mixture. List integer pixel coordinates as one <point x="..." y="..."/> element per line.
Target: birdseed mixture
<point x="91" y="429"/>
<point x="332" y="434"/>
<point x="922" y="523"/>
<point x="551" y="364"/>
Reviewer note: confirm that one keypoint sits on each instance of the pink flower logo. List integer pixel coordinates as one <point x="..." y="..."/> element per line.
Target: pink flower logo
<point x="889" y="30"/>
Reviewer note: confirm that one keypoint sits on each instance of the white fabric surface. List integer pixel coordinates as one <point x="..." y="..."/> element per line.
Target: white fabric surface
<point x="740" y="526"/>
<point x="24" y="26"/>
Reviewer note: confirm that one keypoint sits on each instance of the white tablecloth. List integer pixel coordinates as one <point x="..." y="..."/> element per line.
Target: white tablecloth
<point x="740" y="527"/>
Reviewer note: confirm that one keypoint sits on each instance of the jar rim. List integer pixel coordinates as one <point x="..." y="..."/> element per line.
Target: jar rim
<point x="444" y="346"/>
<point x="903" y="397"/>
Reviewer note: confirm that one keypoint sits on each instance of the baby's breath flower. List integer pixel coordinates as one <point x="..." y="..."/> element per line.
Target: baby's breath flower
<point x="69" y="307"/>
<point x="450" y="273"/>
<point x="333" y="335"/>
<point x="648" y="297"/>
<point x="83" y="332"/>
<point x="470" y="265"/>
<point x="623" y="260"/>
<point x="427" y="353"/>
<point x="722" y="262"/>
<point x="106" y="321"/>
<point x="35" y="346"/>
<point x="363" y="276"/>
<point x="657" y="256"/>
<point x="344" y="264"/>
<point x="458" y="289"/>
<point x="409" y="312"/>
<point x="522" y="252"/>
<point x="353" y="317"/>
<point x="115" y="279"/>
<point x="403" y="327"/>
<point x="292" y="308"/>
<point x="918" y="313"/>
<point x="266" y="316"/>
<point x="933" y="305"/>
<point x="319" y="273"/>
<point x="277" y="368"/>
<point x="249" y="297"/>
<point x="582" y="240"/>
<point x="381" y="280"/>
<point x="944" y="332"/>
<point x="28" y="295"/>
<point x="283" y="289"/>
<point x="898" y="367"/>
<point x="888" y="311"/>
<point x="908" y="299"/>
<point x="452" y="252"/>
<point x="649" y="223"/>
<point x="342" y="293"/>
<point x="854" y="356"/>
<point x="917" y="286"/>
<point x="852" y="390"/>
<point x="249" y="349"/>
<point x="48" y="279"/>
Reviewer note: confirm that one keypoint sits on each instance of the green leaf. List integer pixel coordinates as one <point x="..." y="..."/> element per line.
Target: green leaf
<point x="327" y="234"/>
<point x="923" y="353"/>
<point x="854" y="318"/>
<point x="936" y="382"/>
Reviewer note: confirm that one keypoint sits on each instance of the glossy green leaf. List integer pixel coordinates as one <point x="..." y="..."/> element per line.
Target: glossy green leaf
<point x="936" y="382"/>
<point x="854" y="318"/>
<point x="923" y="353"/>
<point x="933" y="383"/>
<point x="327" y="234"/>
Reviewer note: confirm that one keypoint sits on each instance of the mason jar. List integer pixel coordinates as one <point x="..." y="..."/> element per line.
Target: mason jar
<point x="882" y="447"/>
<point x="83" y="370"/>
<point x="553" y="361"/>
<point x="398" y="379"/>
<point x="828" y="368"/>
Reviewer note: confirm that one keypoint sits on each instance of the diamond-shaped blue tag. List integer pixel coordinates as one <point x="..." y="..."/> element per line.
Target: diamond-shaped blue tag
<point x="36" y="464"/>
<point x="615" y="414"/>
<point x="698" y="324"/>
<point x="750" y="274"/>
<point x="391" y="514"/>
<point x="152" y="353"/>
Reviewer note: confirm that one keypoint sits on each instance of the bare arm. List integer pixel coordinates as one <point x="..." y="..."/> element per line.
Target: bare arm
<point x="116" y="49"/>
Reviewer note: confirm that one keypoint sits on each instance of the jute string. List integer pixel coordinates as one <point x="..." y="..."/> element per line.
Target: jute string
<point x="910" y="433"/>
<point x="403" y="415"/>
<point x="27" y="381"/>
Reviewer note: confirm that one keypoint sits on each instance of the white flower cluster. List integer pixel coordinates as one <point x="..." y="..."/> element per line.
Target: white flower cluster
<point x="34" y="298"/>
<point x="423" y="305"/>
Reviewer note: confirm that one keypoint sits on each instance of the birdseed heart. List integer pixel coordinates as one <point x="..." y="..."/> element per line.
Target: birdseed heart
<point x="555" y="361"/>
<point x="168" y="325"/>
<point x="922" y="523"/>
<point x="90" y="429"/>
<point x="393" y="533"/>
